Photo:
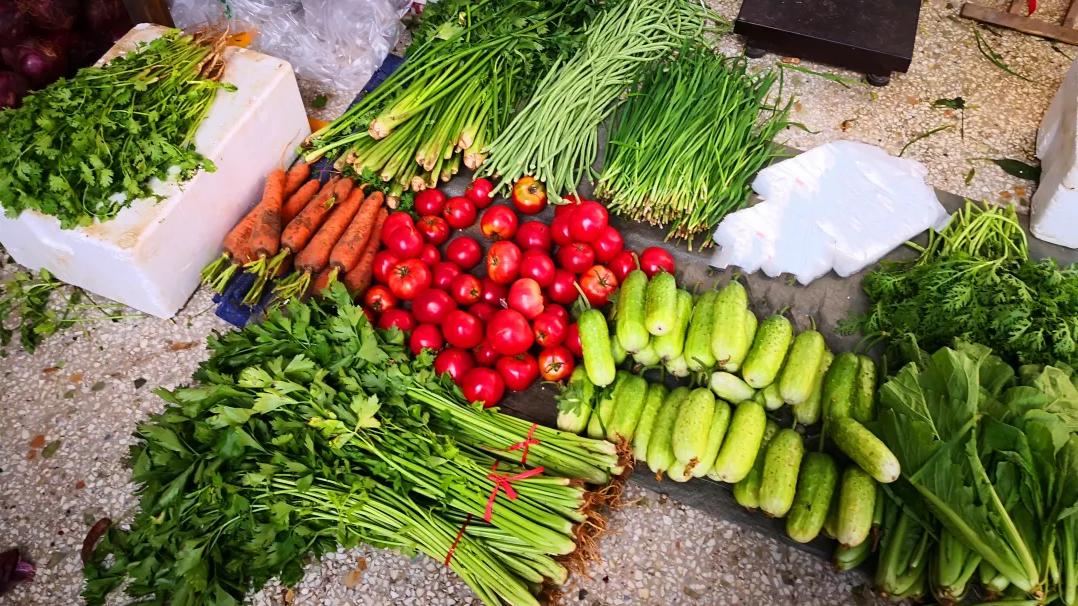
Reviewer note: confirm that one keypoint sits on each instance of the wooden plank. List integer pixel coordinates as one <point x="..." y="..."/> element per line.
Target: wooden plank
<point x="1072" y="15"/>
<point x="149" y="11"/>
<point x="1026" y="25"/>
<point x="1019" y="7"/>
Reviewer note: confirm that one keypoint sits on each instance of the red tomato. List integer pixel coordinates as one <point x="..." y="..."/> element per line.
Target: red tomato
<point x="538" y="266"/>
<point x="466" y="289"/>
<point x="608" y="245"/>
<point x="483" y="385"/>
<point x="383" y="264"/>
<point x="572" y="340"/>
<point x="529" y="196"/>
<point x="482" y="310"/>
<point x="499" y="223"/>
<point x="598" y="283"/>
<point x="563" y="288"/>
<point x="462" y="329"/>
<point x="556" y="363"/>
<point x="429" y="202"/>
<point x="577" y="257"/>
<point x="518" y="372"/>
<point x="549" y="328"/>
<point x="493" y="293"/>
<point x="526" y="296"/>
<point x="569" y="204"/>
<point x="393" y="221"/>
<point x="509" y="333"/>
<point x="454" y="361"/>
<point x="623" y="265"/>
<point x="459" y="212"/>
<point x="425" y="336"/>
<point x="559" y="231"/>
<point x="464" y="251"/>
<point x="405" y="242"/>
<point x="503" y="261"/>
<point x="654" y="259"/>
<point x="434" y="229"/>
<point x="444" y="273"/>
<point x="398" y="318"/>
<point x="429" y="254"/>
<point x="379" y="299"/>
<point x="409" y="278"/>
<point x="587" y="221"/>
<point x="558" y="311"/>
<point x="370" y="315"/>
<point x="432" y="305"/>
<point x="479" y="192"/>
<point x="534" y="235"/>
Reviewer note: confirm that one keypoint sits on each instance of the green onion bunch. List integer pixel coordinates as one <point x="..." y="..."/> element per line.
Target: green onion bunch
<point x="685" y="146"/>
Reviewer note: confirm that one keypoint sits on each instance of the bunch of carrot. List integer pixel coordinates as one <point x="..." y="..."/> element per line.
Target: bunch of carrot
<point x="323" y="231"/>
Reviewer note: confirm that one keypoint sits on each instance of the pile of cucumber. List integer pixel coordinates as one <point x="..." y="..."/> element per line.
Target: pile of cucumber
<point x="739" y="369"/>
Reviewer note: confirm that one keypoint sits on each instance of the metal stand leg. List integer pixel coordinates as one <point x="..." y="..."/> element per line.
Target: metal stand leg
<point x="753" y="52"/>
<point x="877" y="80"/>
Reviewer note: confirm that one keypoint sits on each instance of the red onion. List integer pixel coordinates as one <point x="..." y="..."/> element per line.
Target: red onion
<point x="13" y="25"/>
<point x="14" y="569"/>
<point x="51" y="14"/>
<point x="42" y="61"/>
<point x="12" y="89"/>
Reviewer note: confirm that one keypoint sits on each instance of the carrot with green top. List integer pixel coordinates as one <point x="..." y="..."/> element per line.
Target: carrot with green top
<point x="359" y="278"/>
<point x="298" y="200"/>
<point x="314" y="257"/>
<point x="352" y="243"/>
<point x="234" y="253"/>
<point x="303" y="226"/>
<point x="265" y="238"/>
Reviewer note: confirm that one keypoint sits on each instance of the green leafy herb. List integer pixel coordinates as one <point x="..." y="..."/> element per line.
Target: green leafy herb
<point x="969" y="176"/>
<point x="924" y="135"/>
<point x="318" y="102"/>
<point x="1017" y="168"/>
<point x="845" y="81"/>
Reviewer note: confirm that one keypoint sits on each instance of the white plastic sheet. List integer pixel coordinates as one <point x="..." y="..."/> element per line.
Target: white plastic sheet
<point x="840" y="206"/>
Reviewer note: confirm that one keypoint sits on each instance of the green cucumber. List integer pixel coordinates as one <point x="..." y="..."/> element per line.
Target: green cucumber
<point x="678" y="473"/>
<point x="747" y="491"/>
<point x="865" y="449"/>
<point x="628" y="406"/>
<point x="728" y="325"/>
<point x="660" y="450"/>
<point x="698" y="338"/>
<point x="691" y="428"/>
<point x="742" y="445"/>
<point x="749" y="326"/>
<point x="653" y="402"/>
<point x="815" y="487"/>
<point x="574" y="402"/>
<point x="660" y="304"/>
<point x="830" y="523"/>
<point x="848" y="558"/>
<point x="678" y="367"/>
<point x="799" y="374"/>
<point x="864" y="392"/>
<point x="838" y="387"/>
<point x="595" y="342"/>
<point x="647" y="356"/>
<point x="730" y="387"/>
<point x="773" y="397"/>
<point x="604" y="409"/>
<point x="617" y="351"/>
<point x="808" y="411"/>
<point x="782" y="461"/>
<point x="759" y="398"/>
<point x="629" y="310"/>
<point x="856" y="502"/>
<point x="671" y="344"/>
<point x="768" y="351"/>
<point x="720" y="422"/>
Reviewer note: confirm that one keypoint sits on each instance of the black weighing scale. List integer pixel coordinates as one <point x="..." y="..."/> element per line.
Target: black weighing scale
<point x="874" y="37"/>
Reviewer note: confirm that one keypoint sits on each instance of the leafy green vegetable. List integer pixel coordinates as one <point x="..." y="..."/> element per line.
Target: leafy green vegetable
<point x="1017" y="168"/>
<point x="994" y="57"/>
<point x="924" y="135"/>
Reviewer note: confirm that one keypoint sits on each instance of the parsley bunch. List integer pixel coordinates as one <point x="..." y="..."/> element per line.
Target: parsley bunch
<point x="83" y="149"/>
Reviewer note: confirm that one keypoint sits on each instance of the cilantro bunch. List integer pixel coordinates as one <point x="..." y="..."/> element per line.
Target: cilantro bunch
<point x="83" y="149"/>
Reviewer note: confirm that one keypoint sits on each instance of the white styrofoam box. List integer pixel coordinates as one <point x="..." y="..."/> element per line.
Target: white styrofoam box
<point x="1054" y="216"/>
<point x="149" y="256"/>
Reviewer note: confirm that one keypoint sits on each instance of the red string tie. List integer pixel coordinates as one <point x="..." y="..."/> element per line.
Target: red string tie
<point x="526" y="444"/>
<point x="505" y="483"/>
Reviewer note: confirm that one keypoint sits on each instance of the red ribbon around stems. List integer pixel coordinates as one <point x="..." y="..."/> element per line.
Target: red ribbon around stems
<point x="526" y="444"/>
<point x="456" y="541"/>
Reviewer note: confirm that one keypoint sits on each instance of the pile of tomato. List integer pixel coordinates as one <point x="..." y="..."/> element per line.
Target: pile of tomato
<point x="498" y="317"/>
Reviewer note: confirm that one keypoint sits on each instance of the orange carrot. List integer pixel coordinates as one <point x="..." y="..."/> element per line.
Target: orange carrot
<point x="235" y="253"/>
<point x="266" y="235"/>
<point x="322" y="281"/>
<point x="301" y="229"/>
<point x="315" y="255"/>
<point x="300" y="172"/>
<point x="299" y="199"/>
<point x="350" y="247"/>
<point x="359" y="278"/>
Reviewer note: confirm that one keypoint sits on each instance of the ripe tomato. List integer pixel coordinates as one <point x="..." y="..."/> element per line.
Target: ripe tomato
<point x="462" y="329"/>
<point x="623" y="265"/>
<point x="598" y="283"/>
<point x="558" y="311"/>
<point x="556" y="363"/>
<point x="425" y="336"/>
<point x="568" y="205"/>
<point x="444" y="272"/>
<point x="409" y="278"/>
<point x="608" y="245"/>
<point x="518" y="371"/>
<point x="509" y="333"/>
<point x="563" y="288"/>
<point x="483" y="385"/>
<point x="429" y="254"/>
<point x="454" y="361"/>
<point x="526" y="297"/>
<point x="459" y="212"/>
<point x="549" y="328"/>
<point x="494" y="294"/>
<point x="654" y="259"/>
<point x="379" y="299"/>
<point x="533" y="235"/>
<point x="466" y="289"/>
<point x="398" y="318"/>
<point x="587" y="221"/>
<point x="499" y="223"/>
<point x="559" y="231"/>
<point x="479" y="192"/>
<point x="503" y="261"/>
<point x="485" y="355"/>
<point x="538" y="266"/>
<point x="432" y="305"/>
<point x="577" y="257"/>
<point x="464" y="251"/>
<point x="529" y="196"/>
<point x="429" y="202"/>
<point x="383" y="264"/>
<point x="393" y="221"/>
<point x="572" y="340"/>
<point x="405" y="242"/>
<point x="482" y="310"/>
<point x="434" y="229"/>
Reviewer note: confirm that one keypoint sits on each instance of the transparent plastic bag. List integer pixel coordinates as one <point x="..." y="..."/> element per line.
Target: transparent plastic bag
<point x="336" y="44"/>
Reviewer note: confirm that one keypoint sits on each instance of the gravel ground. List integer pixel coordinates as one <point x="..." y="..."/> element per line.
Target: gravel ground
<point x="71" y="407"/>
